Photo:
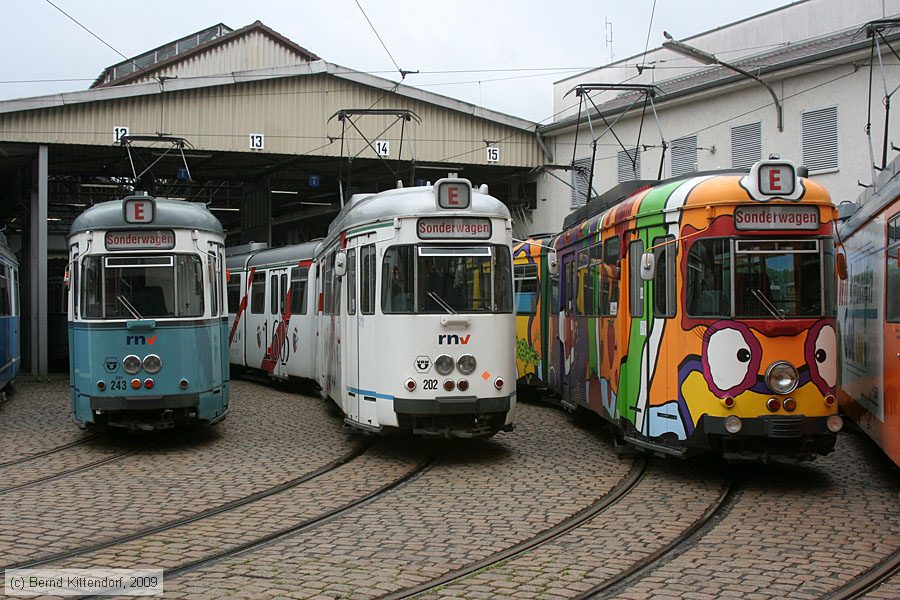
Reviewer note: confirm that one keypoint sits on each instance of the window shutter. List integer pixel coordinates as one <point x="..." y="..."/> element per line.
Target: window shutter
<point x="627" y="171"/>
<point x="746" y="145"/>
<point x="820" y="139"/>
<point x="581" y="172"/>
<point x="684" y="155"/>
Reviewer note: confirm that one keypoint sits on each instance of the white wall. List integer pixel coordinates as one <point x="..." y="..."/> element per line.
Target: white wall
<point x="798" y="21"/>
<point x="712" y="115"/>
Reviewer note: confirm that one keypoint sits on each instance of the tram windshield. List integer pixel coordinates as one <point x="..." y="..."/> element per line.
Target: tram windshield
<point x="446" y="279"/>
<point x="761" y="278"/>
<point x="130" y="287"/>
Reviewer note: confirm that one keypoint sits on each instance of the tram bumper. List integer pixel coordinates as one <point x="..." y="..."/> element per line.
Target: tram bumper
<point x="768" y="438"/>
<point x="457" y="416"/>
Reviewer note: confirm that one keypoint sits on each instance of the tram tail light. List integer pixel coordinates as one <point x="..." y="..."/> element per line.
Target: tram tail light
<point x="101" y="385"/>
<point x="498" y="383"/>
<point x="148" y="383"/>
<point x="462" y="385"/>
<point x="449" y="386"/>
<point x="183" y="384"/>
<point x="829" y="400"/>
<point x="728" y="402"/>
<point x="135" y="384"/>
<point x="790" y="404"/>
<point x="773" y="405"/>
<point x="410" y="384"/>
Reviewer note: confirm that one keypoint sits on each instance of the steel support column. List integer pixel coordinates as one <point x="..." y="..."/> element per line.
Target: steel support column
<point x="38" y="267"/>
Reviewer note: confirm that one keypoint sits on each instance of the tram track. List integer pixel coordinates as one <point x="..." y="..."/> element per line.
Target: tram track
<point x="354" y="453"/>
<point x="303" y="526"/>
<point x="681" y="543"/>
<point x="620" y="491"/>
<point x="30" y="457"/>
<point x="866" y="582"/>
<point x="91" y="465"/>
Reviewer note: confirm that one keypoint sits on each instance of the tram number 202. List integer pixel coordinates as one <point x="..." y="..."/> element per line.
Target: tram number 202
<point x="430" y="384"/>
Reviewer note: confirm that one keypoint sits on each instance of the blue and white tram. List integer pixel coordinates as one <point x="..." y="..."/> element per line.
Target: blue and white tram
<point x="416" y="329"/>
<point x="272" y="326"/>
<point x="148" y="325"/>
<point x="9" y="315"/>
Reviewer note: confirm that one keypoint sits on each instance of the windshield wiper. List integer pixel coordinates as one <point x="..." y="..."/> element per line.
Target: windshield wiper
<point x="129" y="307"/>
<point x="767" y="304"/>
<point x="440" y="302"/>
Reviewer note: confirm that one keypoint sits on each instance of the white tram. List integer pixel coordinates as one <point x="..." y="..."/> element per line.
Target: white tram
<point x="416" y="330"/>
<point x="403" y="314"/>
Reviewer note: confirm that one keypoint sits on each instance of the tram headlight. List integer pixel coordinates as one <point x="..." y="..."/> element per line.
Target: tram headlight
<point x="443" y="364"/>
<point x="152" y="363"/>
<point x="131" y="364"/>
<point x="781" y="377"/>
<point x="733" y="424"/>
<point x="834" y="423"/>
<point x="466" y="364"/>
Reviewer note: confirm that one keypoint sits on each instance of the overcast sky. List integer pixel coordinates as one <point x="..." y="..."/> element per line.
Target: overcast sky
<point x="506" y="53"/>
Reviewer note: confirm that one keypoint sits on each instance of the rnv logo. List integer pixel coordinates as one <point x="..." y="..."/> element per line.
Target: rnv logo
<point x="452" y="338"/>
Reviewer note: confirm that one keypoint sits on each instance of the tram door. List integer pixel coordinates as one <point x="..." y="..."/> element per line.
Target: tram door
<point x="350" y="359"/>
<point x="257" y="329"/>
<point x="279" y="350"/>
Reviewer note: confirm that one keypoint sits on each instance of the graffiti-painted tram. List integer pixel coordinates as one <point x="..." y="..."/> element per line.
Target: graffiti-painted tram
<point x="415" y="312"/>
<point x="148" y="326"/>
<point x="869" y="313"/>
<point x="697" y="314"/>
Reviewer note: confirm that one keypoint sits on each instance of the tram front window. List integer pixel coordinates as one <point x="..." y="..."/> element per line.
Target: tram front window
<point x="141" y="287"/>
<point x="770" y="279"/>
<point x="446" y="279"/>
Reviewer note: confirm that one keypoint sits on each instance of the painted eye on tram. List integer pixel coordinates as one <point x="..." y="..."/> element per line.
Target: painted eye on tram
<point x="731" y="357"/>
<point x="821" y="356"/>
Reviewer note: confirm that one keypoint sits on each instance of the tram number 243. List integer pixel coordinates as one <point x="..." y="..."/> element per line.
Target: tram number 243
<point x="118" y="384"/>
<point x="430" y="384"/>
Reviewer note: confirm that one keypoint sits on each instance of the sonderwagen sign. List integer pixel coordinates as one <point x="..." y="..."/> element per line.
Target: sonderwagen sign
<point x="776" y="217"/>
<point x="457" y="229"/>
<point x="140" y="240"/>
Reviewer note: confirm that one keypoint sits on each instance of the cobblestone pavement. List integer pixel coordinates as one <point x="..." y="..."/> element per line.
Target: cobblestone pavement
<point x="787" y="532"/>
<point x="269" y="438"/>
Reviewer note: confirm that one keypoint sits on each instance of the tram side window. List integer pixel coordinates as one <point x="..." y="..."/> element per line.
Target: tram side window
<point x="327" y="283"/>
<point x="5" y="288"/>
<point x="351" y="281"/>
<point x="234" y="297"/>
<point x="892" y="272"/>
<point x="15" y="293"/>
<point x="554" y="294"/>
<point x="709" y="278"/>
<point x="398" y="279"/>
<point x="273" y="294"/>
<point x="503" y="301"/>
<point x="830" y="279"/>
<point x="664" y="278"/>
<point x="91" y="288"/>
<point x="609" y="279"/>
<point x="299" y="280"/>
<point x="212" y="272"/>
<point x="189" y="285"/>
<point x="595" y="267"/>
<point x="526" y="284"/>
<point x="635" y="283"/>
<point x="258" y="293"/>
<point x="367" y="284"/>
<point x="73" y="283"/>
<point x="584" y="285"/>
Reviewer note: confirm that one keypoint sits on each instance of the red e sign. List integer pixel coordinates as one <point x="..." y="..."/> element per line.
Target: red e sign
<point x="776" y="180"/>
<point x="139" y="210"/>
<point x="453" y="194"/>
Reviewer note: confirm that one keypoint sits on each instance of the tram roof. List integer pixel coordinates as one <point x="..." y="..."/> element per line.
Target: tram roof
<point x="409" y="202"/>
<point x="284" y="254"/>
<point x="170" y="214"/>
<point x="874" y="199"/>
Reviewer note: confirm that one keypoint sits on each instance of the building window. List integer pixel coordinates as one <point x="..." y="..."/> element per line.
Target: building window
<point x="581" y="173"/>
<point x="684" y="155"/>
<point x="746" y="145"/>
<point x="629" y="164"/>
<point x="820" y="139"/>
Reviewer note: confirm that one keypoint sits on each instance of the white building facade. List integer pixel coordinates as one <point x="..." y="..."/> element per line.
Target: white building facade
<point x="814" y="55"/>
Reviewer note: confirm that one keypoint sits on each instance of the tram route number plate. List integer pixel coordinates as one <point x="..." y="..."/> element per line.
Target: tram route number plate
<point x="423" y="364"/>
